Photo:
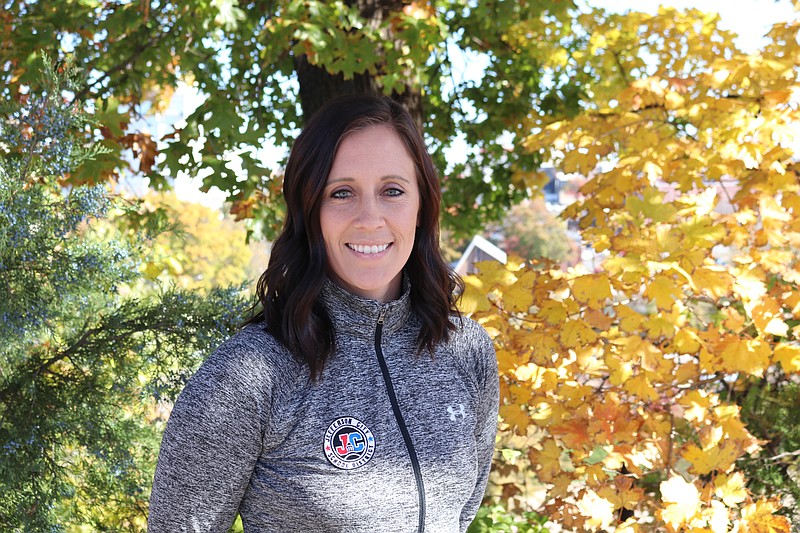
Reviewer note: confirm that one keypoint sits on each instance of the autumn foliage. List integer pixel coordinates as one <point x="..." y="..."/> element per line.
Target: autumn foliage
<point x="613" y="381"/>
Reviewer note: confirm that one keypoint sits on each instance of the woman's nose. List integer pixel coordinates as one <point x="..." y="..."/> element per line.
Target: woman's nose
<point x="370" y="215"/>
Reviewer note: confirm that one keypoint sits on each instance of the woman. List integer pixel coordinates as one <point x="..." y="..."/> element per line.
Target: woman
<point x="359" y="400"/>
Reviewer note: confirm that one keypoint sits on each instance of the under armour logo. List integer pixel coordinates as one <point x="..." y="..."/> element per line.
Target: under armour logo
<point x="454" y="414"/>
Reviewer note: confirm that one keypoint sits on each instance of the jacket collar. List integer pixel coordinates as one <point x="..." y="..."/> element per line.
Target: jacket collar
<point x="357" y="315"/>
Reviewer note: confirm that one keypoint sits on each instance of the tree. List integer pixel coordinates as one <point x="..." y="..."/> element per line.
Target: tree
<point x="82" y="367"/>
<point x="206" y="249"/>
<point x="621" y="383"/>
<point x="531" y="232"/>
<point x="265" y="65"/>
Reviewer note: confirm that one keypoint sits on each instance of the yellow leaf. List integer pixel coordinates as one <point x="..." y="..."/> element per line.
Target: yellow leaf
<point x="152" y="270"/>
<point x="767" y="317"/>
<point x="759" y="517"/>
<point x="682" y="501"/>
<point x="663" y="290"/>
<point x="730" y="488"/>
<point x="748" y="356"/>
<point x="686" y="341"/>
<point x="591" y="289"/>
<point x="651" y="206"/>
<point x="548" y="459"/>
<point x="623" y="493"/>
<point x="788" y="356"/>
<point x="174" y="266"/>
<point x="687" y="372"/>
<point x="749" y="286"/>
<point x="716" y="514"/>
<point x="641" y="387"/>
<point x="553" y="312"/>
<point x="492" y="274"/>
<point x="516" y="416"/>
<point x="696" y="404"/>
<point x="474" y="298"/>
<point x="734" y="321"/>
<point x="542" y="346"/>
<point x="673" y="100"/>
<point x="529" y="372"/>
<point x="598" y="510"/>
<point x="704" y="461"/>
<point x="660" y="325"/>
<point x="519" y="297"/>
<point x="576" y="333"/>
<point x="621" y="371"/>
<point x="618" y="265"/>
<point x="629" y="320"/>
<point x="713" y="281"/>
<point x="507" y="360"/>
<point x="573" y="433"/>
<point x="597" y="319"/>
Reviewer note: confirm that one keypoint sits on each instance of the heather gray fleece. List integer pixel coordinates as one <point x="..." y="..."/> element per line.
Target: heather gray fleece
<point x="248" y="432"/>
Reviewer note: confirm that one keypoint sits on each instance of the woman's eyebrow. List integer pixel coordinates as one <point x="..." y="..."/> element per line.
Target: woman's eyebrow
<point x="388" y="177"/>
<point x="395" y="177"/>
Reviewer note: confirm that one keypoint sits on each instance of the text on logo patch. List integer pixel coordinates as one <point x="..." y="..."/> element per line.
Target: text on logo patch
<point x="349" y="443"/>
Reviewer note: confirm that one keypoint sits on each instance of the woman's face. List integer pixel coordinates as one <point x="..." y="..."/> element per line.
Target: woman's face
<point x="369" y="213"/>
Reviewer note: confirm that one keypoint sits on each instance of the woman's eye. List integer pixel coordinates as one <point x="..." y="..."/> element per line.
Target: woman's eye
<point x="340" y="194"/>
<point x="393" y="191"/>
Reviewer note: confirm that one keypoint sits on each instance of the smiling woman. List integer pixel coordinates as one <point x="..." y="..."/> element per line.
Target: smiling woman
<point x="358" y="399"/>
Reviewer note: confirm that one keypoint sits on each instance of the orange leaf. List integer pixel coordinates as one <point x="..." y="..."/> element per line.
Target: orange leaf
<point x="573" y="433"/>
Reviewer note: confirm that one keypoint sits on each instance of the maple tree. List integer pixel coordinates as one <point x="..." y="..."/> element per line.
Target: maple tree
<point x="263" y="66"/>
<point x="614" y="382"/>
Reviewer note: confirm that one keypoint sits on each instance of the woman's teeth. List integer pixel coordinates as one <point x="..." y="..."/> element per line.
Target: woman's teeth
<point x="366" y="249"/>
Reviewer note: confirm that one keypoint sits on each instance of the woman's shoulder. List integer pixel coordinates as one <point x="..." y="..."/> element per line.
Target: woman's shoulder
<point x="473" y="351"/>
<point x="255" y="355"/>
<point x="468" y="333"/>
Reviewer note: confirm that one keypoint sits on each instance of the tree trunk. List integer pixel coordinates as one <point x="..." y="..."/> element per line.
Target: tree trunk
<point x="317" y="85"/>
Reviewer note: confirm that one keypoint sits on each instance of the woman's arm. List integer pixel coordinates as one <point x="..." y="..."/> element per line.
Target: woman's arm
<point x="210" y="446"/>
<point x="486" y="425"/>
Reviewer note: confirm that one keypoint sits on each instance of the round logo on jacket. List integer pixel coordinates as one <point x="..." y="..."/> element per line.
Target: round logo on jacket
<point x="349" y="443"/>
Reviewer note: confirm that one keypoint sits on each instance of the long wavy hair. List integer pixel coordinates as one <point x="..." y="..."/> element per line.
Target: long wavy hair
<point x="290" y="287"/>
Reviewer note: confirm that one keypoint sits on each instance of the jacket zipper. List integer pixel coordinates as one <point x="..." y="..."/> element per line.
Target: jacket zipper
<point x="412" y="453"/>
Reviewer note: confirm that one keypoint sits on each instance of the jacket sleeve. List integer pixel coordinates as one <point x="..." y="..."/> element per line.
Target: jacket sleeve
<point x="486" y="425"/>
<point x="210" y="446"/>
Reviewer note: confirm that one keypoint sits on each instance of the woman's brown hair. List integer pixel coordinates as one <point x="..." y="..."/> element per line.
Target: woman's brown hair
<point x="289" y="289"/>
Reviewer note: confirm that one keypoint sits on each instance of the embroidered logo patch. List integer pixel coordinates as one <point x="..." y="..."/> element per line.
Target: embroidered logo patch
<point x="349" y="443"/>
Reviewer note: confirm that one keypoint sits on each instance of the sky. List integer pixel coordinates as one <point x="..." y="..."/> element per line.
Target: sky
<point x="750" y="19"/>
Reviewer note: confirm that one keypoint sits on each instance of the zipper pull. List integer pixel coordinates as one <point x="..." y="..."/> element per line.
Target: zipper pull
<point x="381" y="316"/>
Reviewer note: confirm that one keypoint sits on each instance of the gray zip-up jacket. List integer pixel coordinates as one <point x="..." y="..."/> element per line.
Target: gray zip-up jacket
<point x="387" y="440"/>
